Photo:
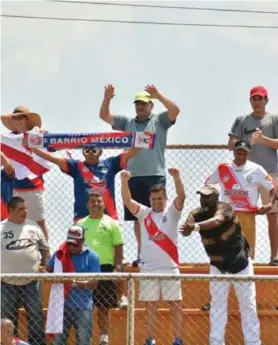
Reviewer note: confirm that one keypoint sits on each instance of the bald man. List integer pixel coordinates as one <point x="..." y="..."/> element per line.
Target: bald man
<point x="7" y="334"/>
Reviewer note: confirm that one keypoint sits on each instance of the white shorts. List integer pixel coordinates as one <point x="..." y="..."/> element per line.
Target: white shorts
<point x="149" y="290"/>
<point x="35" y="204"/>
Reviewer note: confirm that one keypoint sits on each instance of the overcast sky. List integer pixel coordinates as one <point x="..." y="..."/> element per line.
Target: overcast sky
<point x="59" y="68"/>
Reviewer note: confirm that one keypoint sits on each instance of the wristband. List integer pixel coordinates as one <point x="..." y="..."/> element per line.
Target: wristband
<point x="196" y="227"/>
<point x="119" y="268"/>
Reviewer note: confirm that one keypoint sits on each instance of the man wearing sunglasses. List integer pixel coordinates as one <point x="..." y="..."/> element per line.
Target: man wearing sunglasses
<point x="261" y="128"/>
<point x="91" y="174"/>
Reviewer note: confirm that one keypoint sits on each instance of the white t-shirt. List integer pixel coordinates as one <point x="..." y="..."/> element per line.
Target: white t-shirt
<point x="250" y="177"/>
<point x="152" y="256"/>
<point x="20" y="248"/>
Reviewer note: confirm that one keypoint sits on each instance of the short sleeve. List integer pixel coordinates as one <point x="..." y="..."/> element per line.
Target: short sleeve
<point x="120" y="123"/>
<point x="51" y="261"/>
<point x="225" y="210"/>
<point x="213" y="178"/>
<point x="237" y="128"/>
<point x="72" y="167"/>
<point x="262" y="178"/>
<point x="115" y="164"/>
<point x="117" y="237"/>
<point x="142" y="212"/>
<point x="164" y="120"/>
<point x="174" y="211"/>
<point x="275" y="125"/>
<point x="43" y="244"/>
<point x="191" y="218"/>
<point x="94" y="265"/>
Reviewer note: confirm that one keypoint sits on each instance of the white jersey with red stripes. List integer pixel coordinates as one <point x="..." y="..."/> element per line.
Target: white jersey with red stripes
<point x="152" y="256"/>
<point x="28" y="166"/>
<point x="239" y="185"/>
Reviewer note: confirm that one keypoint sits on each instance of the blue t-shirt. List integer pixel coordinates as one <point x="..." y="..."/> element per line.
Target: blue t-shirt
<point x="85" y="262"/>
<point x="99" y="177"/>
<point x="6" y="193"/>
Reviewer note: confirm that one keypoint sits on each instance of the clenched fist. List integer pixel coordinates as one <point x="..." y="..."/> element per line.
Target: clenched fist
<point x="174" y="172"/>
<point x="125" y="175"/>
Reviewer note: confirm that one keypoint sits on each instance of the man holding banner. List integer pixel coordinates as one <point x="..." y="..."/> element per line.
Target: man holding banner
<point x="159" y="253"/>
<point x="148" y="167"/>
<point x="91" y="174"/>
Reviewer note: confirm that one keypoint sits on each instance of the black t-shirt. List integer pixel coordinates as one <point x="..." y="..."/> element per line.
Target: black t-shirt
<point x="225" y="245"/>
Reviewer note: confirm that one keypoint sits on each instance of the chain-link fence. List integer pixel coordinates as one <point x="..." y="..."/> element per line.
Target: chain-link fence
<point x="162" y="306"/>
<point x="196" y="163"/>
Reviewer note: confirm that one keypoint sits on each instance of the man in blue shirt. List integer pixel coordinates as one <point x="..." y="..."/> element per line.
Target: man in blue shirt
<point x="78" y="305"/>
<point x="91" y="174"/>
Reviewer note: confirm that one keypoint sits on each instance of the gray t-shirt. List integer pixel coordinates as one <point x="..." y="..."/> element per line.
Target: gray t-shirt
<point x="147" y="162"/>
<point x="20" y="248"/>
<point x="244" y="126"/>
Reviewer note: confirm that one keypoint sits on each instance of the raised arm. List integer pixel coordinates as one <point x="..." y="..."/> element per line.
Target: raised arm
<point x="8" y="168"/>
<point x="61" y="162"/>
<point x="104" y="112"/>
<point x="179" y="201"/>
<point x="173" y="109"/>
<point x="131" y="204"/>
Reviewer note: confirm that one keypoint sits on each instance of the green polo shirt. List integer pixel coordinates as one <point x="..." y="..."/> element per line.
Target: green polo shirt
<point x="102" y="235"/>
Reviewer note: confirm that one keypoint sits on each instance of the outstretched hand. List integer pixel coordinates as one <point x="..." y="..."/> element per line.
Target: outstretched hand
<point x="109" y="92"/>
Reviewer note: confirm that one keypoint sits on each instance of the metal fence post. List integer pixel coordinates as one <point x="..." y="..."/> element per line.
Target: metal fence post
<point x="130" y="311"/>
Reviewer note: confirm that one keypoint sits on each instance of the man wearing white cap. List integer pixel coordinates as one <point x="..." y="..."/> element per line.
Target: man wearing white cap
<point x="148" y="167"/>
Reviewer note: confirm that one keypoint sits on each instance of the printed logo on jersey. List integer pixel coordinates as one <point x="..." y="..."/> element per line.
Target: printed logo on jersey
<point x="268" y="178"/>
<point x="250" y="178"/>
<point x="157" y="237"/>
<point x="226" y="178"/>
<point x="20" y="244"/>
<point x="164" y="219"/>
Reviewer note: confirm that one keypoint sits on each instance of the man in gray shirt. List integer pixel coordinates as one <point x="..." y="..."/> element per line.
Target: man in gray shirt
<point x="148" y="167"/>
<point x="261" y="129"/>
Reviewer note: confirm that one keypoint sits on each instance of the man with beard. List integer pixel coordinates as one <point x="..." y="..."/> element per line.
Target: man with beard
<point x="228" y="252"/>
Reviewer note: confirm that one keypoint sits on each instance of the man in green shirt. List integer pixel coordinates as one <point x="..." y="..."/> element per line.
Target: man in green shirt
<point x="103" y="235"/>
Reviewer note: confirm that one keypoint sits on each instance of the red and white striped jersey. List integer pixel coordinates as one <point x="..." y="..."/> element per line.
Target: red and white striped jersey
<point x="239" y="185"/>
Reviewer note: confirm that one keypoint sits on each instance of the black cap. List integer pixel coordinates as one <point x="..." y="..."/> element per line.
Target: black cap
<point x="243" y="145"/>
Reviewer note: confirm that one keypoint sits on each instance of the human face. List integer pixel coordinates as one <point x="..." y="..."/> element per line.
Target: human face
<point x="143" y="109"/>
<point x="75" y="249"/>
<point x="92" y="154"/>
<point x="96" y="206"/>
<point x="158" y="201"/>
<point x="241" y="156"/>
<point x="258" y="104"/>
<point x="19" y="123"/>
<point x="208" y="202"/>
<point x="19" y="214"/>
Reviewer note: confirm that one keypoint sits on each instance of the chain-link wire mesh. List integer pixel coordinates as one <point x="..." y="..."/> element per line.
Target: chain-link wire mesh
<point x="181" y="315"/>
<point x="196" y="163"/>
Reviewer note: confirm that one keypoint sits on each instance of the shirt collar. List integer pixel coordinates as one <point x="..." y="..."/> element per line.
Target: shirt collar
<point x="143" y="121"/>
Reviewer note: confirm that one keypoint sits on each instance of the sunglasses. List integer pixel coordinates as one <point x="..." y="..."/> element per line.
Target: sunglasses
<point x="19" y="117"/>
<point x="87" y="150"/>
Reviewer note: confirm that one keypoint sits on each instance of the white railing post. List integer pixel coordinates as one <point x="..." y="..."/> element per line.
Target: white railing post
<point x="130" y="311"/>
